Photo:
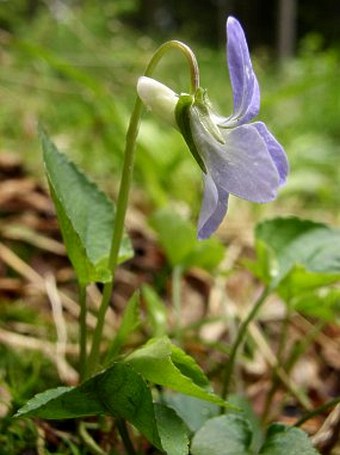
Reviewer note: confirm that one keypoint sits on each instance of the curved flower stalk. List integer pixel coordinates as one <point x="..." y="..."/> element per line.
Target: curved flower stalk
<point x="236" y="157"/>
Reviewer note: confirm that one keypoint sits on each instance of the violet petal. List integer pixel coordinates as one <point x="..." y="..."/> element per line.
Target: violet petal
<point x="214" y="207"/>
<point x="275" y="149"/>
<point x="242" y="166"/>
<point x="244" y="83"/>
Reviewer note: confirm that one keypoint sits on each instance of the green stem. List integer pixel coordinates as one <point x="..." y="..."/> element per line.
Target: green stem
<point x="82" y="332"/>
<point x="91" y="445"/>
<point x="275" y="380"/>
<point x="229" y="368"/>
<point x="176" y="299"/>
<point x="125" y="184"/>
<point x="287" y="366"/>
<point x="299" y="348"/>
<point x="93" y="359"/>
<point x="189" y="55"/>
<point x="317" y="411"/>
<point x="123" y="431"/>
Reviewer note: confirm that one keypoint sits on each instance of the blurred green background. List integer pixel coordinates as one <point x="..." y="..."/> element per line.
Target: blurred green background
<point x="73" y="66"/>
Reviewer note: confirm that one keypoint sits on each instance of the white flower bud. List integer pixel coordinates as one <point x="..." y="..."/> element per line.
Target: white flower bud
<point x="158" y="98"/>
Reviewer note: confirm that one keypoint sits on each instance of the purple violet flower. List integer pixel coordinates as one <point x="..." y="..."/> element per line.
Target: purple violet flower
<point x="237" y="157"/>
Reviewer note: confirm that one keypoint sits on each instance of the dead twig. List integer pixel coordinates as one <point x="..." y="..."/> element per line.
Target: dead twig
<point x="271" y="359"/>
<point x="21" y="267"/>
<point x="59" y="321"/>
<point x="328" y="435"/>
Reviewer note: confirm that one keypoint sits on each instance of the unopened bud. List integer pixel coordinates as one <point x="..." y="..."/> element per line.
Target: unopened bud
<point x="158" y="98"/>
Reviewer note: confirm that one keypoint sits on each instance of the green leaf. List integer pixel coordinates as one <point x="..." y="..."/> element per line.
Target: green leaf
<point x="283" y="440"/>
<point x="323" y="304"/>
<point x="86" y="217"/>
<point x="193" y="411"/>
<point x="124" y="393"/>
<point x="299" y="281"/>
<point x="39" y="401"/>
<point x="224" y="435"/>
<point x="232" y="434"/>
<point x="162" y="363"/>
<point x="118" y="391"/>
<point x="63" y="403"/>
<point x="128" y="324"/>
<point x="187" y="366"/>
<point x="178" y="237"/>
<point x="172" y="431"/>
<point x="315" y="246"/>
<point x="242" y="402"/>
<point x="207" y="254"/>
<point x="265" y="266"/>
<point x="156" y="311"/>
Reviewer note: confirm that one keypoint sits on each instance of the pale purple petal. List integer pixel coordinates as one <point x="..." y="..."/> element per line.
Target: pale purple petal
<point x="214" y="207"/>
<point x="245" y="87"/>
<point x="275" y="149"/>
<point x="242" y="165"/>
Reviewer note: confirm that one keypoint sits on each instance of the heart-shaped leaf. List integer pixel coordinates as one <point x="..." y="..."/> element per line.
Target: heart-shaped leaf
<point x="231" y="434"/>
<point x="300" y="252"/>
<point x="224" y="435"/>
<point x="193" y="411"/>
<point x="86" y="217"/>
<point x="284" y="440"/>
<point x="172" y="431"/>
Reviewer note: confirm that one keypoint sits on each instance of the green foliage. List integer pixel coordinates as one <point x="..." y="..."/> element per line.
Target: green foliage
<point x="118" y="391"/>
<point x="246" y="407"/>
<point x="17" y="437"/>
<point x="179" y="240"/>
<point x="164" y="166"/>
<point x="281" y="439"/>
<point x="322" y="304"/>
<point x="156" y="311"/>
<point x="193" y="411"/>
<point x="296" y="255"/>
<point x="297" y="241"/>
<point x="129" y="323"/>
<point x="121" y="391"/>
<point x="301" y="103"/>
<point x="85" y="215"/>
<point x="163" y="363"/>
<point x="24" y="375"/>
<point x="223" y="435"/>
<point x="232" y="435"/>
<point x="172" y="431"/>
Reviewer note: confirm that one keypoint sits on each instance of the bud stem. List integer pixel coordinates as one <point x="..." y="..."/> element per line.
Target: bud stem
<point x="189" y="55"/>
<point x="124" y="189"/>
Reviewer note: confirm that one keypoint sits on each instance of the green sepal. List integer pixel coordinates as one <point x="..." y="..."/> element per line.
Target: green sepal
<point x="202" y="107"/>
<point x="182" y="115"/>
